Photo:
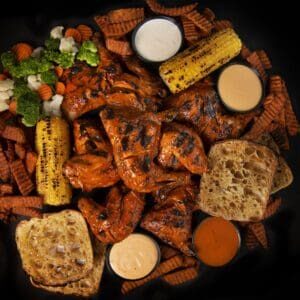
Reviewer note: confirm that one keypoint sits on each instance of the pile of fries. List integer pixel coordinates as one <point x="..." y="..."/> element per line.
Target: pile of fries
<point x="17" y="167"/>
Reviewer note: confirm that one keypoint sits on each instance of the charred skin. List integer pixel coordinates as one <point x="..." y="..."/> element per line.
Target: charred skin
<point x="115" y="221"/>
<point x="170" y="219"/>
<point x="181" y="147"/>
<point x="135" y="140"/>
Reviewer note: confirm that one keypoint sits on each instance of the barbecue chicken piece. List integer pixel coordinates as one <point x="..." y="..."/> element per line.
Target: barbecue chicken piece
<point x="86" y="86"/>
<point x="93" y="166"/>
<point x="181" y="147"/>
<point x="200" y="106"/>
<point x="135" y="140"/>
<point x="171" y="218"/>
<point x="115" y="221"/>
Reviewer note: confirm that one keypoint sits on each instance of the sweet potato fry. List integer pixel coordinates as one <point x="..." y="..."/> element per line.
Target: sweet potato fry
<point x="4" y="166"/>
<point x="10" y="152"/>
<point x="245" y="52"/>
<point x="264" y="58"/>
<point x="250" y="240"/>
<point x="272" y="207"/>
<point x="27" y="212"/>
<point x="8" y="202"/>
<point x="181" y="276"/>
<point x="280" y="136"/>
<point x="190" y="31"/>
<point x="264" y="120"/>
<point x="170" y="11"/>
<point x="259" y="231"/>
<point x="164" y="268"/>
<point x="125" y="14"/>
<point x="254" y="60"/>
<point x="122" y="48"/>
<point x="20" y="151"/>
<point x="118" y="29"/>
<point x="209" y="14"/>
<point x="222" y="24"/>
<point x="21" y="177"/>
<point x="168" y="252"/>
<point x="6" y="189"/>
<point x="276" y="84"/>
<point x="200" y="21"/>
<point x="30" y="162"/>
<point x="14" y="133"/>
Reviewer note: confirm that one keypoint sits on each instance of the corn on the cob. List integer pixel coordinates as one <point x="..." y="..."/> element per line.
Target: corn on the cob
<point x="53" y="147"/>
<point x="199" y="60"/>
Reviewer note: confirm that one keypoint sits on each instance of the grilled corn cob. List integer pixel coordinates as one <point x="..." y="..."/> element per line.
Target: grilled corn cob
<point x="53" y="148"/>
<point x="199" y="60"/>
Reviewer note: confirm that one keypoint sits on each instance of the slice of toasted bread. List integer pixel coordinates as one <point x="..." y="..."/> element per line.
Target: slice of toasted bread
<point x="238" y="183"/>
<point x="283" y="176"/>
<point x="56" y="249"/>
<point x="87" y="286"/>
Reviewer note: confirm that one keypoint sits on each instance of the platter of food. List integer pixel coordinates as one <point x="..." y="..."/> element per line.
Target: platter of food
<point x="146" y="152"/>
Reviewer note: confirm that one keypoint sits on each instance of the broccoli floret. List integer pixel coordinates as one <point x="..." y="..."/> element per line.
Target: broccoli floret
<point x="29" y="106"/>
<point x="30" y="66"/>
<point x="8" y="60"/>
<point x="52" y="44"/>
<point x="21" y="88"/>
<point x="49" y="77"/>
<point x="88" y="53"/>
<point x="64" y="59"/>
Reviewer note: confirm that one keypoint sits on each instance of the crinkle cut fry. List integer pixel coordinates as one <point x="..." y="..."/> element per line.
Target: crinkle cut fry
<point x="272" y="207"/>
<point x="4" y="166"/>
<point x="122" y="48"/>
<point x="164" y="268"/>
<point x="172" y="11"/>
<point x="14" y="133"/>
<point x="190" y="31"/>
<point x="27" y="212"/>
<point x="265" y="119"/>
<point x="200" y="21"/>
<point x="181" y="276"/>
<point x="125" y="14"/>
<point x="250" y="240"/>
<point x="254" y="60"/>
<point x="264" y="58"/>
<point x="8" y="202"/>
<point x="259" y="231"/>
<point x="222" y="24"/>
<point x="6" y="189"/>
<point x="21" y="177"/>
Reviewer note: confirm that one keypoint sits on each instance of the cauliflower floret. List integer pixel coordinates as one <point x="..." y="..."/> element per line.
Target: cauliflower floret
<point x="4" y="96"/>
<point x="6" y="85"/>
<point x="36" y="53"/>
<point x="52" y="108"/>
<point x="3" y="105"/>
<point x="34" y="82"/>
<point x="57" y="32"/>
<point x="68" y="44"/>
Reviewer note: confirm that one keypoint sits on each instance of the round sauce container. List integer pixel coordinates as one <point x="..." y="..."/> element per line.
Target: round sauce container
<point x="135" y="257"/>
<point x="157" y="39"/>
<point x="240" y="87"/>
<point x="216" y="241"/>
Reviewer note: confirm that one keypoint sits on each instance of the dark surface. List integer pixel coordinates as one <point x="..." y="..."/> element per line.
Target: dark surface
<point x="267" y="274"/>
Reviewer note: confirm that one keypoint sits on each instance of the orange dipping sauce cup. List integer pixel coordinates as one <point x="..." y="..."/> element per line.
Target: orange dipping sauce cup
<point x="216" y="241"/>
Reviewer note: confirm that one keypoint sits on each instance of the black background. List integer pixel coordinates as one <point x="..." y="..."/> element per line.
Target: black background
<point x="259" y="274"/>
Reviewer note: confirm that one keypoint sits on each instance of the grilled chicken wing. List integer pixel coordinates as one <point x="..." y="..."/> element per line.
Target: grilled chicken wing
<point x="93" y="166"/>
<point x="115" y="221"/>
<point x="135" y="141"/>
<point x="200" y="106"/>
<point x="180" y="147"/>
<point x="171" y="218"/>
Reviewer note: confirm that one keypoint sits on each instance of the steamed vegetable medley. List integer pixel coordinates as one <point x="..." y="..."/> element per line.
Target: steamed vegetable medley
<point x="33" y="72"/>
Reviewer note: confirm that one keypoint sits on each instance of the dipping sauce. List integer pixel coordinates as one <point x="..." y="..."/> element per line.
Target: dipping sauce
<point x="216" y="241"/>
<point x="134" y="257"/>
<point x="240" y="87"/>
<point x="157" y="39"/>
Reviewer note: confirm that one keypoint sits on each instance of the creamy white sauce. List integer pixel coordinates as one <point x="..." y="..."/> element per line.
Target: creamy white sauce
<point x="240" y="87"/>
<point x="134" y="257"/>
<point x="158" y="40"/>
